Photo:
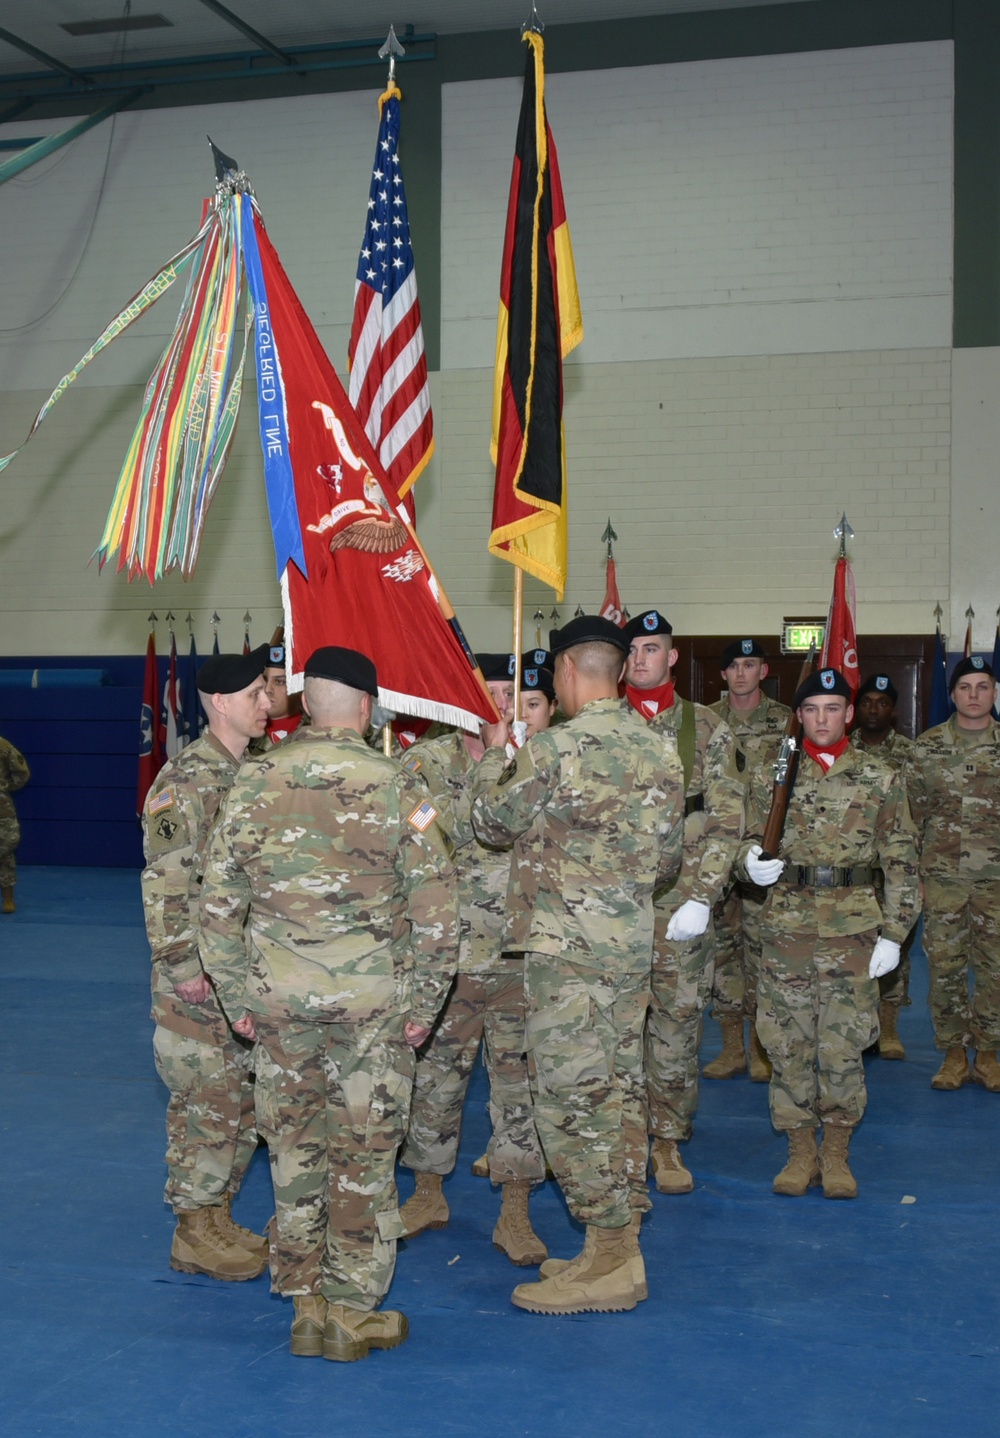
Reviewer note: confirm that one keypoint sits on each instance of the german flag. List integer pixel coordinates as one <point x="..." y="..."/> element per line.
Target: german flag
<point x="538" y="325"/>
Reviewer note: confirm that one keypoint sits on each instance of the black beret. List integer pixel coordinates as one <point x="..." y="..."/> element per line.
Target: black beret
<point x="229" y="673"/>
<point x="825" y="681"/>
<point x="275" y="657"/>
<point x="587" y="629"/>
<point x="536" y="658"/>
<point x="498" y="667"/>
<point x="346" y="666"/>
<point x="741" y="649"/>
<point x="651" y="622"/>
<point x="535" y="676"/>
<point x="973" y="665"/>
<point x="879" y="684"/>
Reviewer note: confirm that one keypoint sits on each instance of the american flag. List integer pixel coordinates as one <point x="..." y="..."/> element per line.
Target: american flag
<point x="388" y="383"/>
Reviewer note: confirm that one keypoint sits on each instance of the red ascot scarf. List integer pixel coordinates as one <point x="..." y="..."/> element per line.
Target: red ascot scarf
<point x="278" y="729"/>
<point x="826" y="758"/>
<point x="650" y="702"/>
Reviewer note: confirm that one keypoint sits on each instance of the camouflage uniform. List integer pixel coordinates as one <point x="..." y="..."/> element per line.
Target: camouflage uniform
<point x="486" y="1003"/>
<point x="736" y="917"/>
<point x="333" y="852"/>
<point x="593" y="808"/>
<point x="14" y="774"/>
<point x="816" y="1005"/>
<point x="953" y="780"/>
<point x="211" y="1135"/>
<point x="682" y="969"/>
<point x="895" y="749"/>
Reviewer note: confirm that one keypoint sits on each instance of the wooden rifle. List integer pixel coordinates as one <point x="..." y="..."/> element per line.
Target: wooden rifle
<point x="785" y="768"/>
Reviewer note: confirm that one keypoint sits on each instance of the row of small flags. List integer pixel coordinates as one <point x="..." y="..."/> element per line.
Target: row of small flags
<point x="171" y="716"/>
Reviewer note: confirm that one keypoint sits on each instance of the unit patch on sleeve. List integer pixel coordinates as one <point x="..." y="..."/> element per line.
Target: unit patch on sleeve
<point x="167" y="828"/>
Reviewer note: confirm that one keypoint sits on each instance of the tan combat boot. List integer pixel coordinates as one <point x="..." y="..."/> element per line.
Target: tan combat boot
<point x="669" y="1172"/>
<point x="890" y="1045"/>
<point x="7" y="893"/>
<point x="308" y="1325"/>
<point x="552" y="1266"/>
<point x="481" y="1167"/>
<point x="760" y="1064"/>
<point x="349" y="1333"/>
<point x="426" y="1208"/>
<point x="986" y="1070"/>
<point x="598" y="1281"/>
<point x="733" y="1059"/>
<point x="514" y="1234"/>
<point x="255" y="1243"/>
<point x="802" y="1169"/>
<point x="838" y="1180"/>
<point x="954" y="1072"/>
<point x="199" y="1247"/>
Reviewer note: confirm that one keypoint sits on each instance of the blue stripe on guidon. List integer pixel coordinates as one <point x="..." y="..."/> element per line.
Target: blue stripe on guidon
<point x="272" y="413"/>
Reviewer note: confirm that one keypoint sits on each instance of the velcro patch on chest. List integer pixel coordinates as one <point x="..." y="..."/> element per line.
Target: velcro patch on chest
<point x="164" y="800"/>
<point x="423" y="816"/>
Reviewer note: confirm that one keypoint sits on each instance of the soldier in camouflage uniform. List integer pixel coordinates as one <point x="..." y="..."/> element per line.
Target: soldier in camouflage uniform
<point x="758" y="725"/>
<point x="331" y="856"/>
<point x="953" y="780"/>
<point x="822" y="950"/>
<point x="14" y="774"/>
<point x="486" y="1003"/>
<point x="875" y="733"/>
<point x="211" y="1135"/>
<point x="684" y="946"/>
<point x="593" y="809"/>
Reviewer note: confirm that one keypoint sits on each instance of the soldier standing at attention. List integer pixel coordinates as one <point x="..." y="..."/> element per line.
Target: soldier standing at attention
<point x="330" y="924"/>
<point x="14" y="774"/>
<point x="593" y="809"/>
<point x="874" y="732"/>
<point x="758" y="725"/>
<point x="211" y="1136"/>
<point x="486" y="1003"/>
<point x="284" y="710"/>
<point x="683" y="947"/>
<point x="953" y="780"/>
<point x="825" y="939"/>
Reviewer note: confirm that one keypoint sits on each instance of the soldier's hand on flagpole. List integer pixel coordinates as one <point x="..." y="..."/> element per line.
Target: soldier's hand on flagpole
<point x="763" y="872"/>
<point x="885" y="958"/>
<point x="495" y="736"/>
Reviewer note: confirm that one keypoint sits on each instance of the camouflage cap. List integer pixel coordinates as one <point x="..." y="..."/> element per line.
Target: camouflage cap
<point x="825" y="681"/>
<point x="229" y="673"/>
<point x="973" y="665"/>
<point x="345" y="666"/>
<point x="879" y="684"/>
<point x="587" y="629"/>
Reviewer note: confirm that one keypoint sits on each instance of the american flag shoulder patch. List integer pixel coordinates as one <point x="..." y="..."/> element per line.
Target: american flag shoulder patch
<point x="163" y="800"/>
<point x="423" y="816"/>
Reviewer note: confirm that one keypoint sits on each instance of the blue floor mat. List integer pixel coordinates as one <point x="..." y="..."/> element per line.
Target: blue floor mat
<point x="767" y="1317"/>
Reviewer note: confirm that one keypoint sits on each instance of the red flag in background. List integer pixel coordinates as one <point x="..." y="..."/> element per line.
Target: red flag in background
<point x="173" y="709"/>
<point x="151" y="736"/>
<point x="363" y="580"/>
<point x="840" y="644"/>
<point x="612" y="606"/>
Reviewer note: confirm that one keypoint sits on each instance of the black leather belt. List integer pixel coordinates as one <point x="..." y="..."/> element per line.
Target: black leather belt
<point x="826" y="876"/>
<point x="694" y="805"/>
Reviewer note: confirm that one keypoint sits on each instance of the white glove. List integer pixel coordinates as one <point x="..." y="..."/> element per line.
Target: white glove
<point x="689" y="921"/>
<point x="763" y="872"/>
<point x="518" y="736"/>
<point x="885" y="958"/>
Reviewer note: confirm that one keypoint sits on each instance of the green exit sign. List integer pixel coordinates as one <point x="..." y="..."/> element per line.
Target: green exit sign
<point x="797" y="636"/>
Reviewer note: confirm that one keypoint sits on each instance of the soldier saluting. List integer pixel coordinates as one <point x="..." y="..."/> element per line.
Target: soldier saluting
<point x="825" y="940"/>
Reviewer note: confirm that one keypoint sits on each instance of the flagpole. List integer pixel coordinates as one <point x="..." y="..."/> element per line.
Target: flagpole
<point x="518" y="636"/>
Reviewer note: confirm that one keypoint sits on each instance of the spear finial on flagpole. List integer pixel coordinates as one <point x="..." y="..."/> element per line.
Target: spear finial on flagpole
<point x="152" y="621"/>
<point x="189" y="621"/>
<point x="579" y="612"/>
<point x="539" y="620"/>
<point x="215" y="624"/>
<point x="939" y="613"/>
<point x="170" y="624"/>
<point x="533" y="21"/>
<point x="843" y="532"/>
<point x="608" y="537"/>
<point x="970" y="613"/>
<point x="392" y="48"/>
<point x="555" y="618"/>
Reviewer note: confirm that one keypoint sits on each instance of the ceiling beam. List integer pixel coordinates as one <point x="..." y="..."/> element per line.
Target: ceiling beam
<point x="49" y="61"/>
<point x="247" y="30"/>
<point x="49" y="143"/>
